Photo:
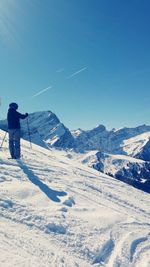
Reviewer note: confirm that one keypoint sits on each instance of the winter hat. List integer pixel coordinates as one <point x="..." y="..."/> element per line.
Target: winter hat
<point x="13" y="105"/>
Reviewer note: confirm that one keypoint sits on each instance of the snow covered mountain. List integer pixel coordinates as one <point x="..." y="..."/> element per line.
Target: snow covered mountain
<point x="45" y="129"/>
<point x="50" y="130"/>
<point x="127" y="169"/>
<point x="113" y="141"/>
<point x="135" y="145"/>
<point x="55" y="211"/>
<point x="145" y="152"/>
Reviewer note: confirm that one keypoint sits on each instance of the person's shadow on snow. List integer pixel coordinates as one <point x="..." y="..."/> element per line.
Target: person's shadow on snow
<point x="50" y="193"/>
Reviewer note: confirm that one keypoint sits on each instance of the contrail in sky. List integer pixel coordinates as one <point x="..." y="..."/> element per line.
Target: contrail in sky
<point x="77" y="72"/>
<point x="42" y="91"/>
<point x="48" y="88"/>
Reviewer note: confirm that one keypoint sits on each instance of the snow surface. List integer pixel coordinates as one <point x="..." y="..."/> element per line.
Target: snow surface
<point x="111" y="163"/>
<point x="55" y="211"/>
<point x="134" y="145"/>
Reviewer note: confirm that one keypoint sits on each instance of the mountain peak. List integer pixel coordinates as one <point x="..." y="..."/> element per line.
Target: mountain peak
<point x="99" y="128"/>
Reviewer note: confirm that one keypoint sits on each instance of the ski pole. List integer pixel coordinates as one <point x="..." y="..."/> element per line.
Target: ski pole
<point x="3" y="140"/>
<point x="29" y="133"/>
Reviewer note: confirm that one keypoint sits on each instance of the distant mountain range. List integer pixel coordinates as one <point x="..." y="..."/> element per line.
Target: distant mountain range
<point x="123" y="153"/>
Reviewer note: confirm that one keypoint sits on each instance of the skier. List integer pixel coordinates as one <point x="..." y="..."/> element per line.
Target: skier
<point x="13" y="118"/>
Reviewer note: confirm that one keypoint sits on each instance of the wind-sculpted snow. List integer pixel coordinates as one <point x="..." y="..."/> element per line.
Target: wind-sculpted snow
<point x="55" y="211"/>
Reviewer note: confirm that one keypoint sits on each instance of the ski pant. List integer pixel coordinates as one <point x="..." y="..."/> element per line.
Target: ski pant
<point x="14" y="142"/>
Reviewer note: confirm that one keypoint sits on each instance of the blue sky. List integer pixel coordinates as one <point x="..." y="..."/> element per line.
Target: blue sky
<point x="88" y="61"/>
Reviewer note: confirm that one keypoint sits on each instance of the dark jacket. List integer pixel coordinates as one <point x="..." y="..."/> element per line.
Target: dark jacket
<point x="13" y="118"/>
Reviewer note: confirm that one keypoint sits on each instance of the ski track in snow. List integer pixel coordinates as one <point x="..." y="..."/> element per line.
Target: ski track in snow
<point x="57" y="212"/>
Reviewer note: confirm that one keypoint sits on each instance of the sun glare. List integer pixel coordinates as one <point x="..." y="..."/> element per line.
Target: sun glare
<point x="7" y="21"/>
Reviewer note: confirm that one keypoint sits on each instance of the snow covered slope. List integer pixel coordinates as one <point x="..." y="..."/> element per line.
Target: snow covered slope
<point x="54" y="211"/>
<point x="127" y="169"/>
<point x="133" y="145"/>
<point x="144" y="153"/>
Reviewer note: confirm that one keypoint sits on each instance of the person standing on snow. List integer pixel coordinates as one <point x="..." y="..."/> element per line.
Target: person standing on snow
<point x="13" y="119"/>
